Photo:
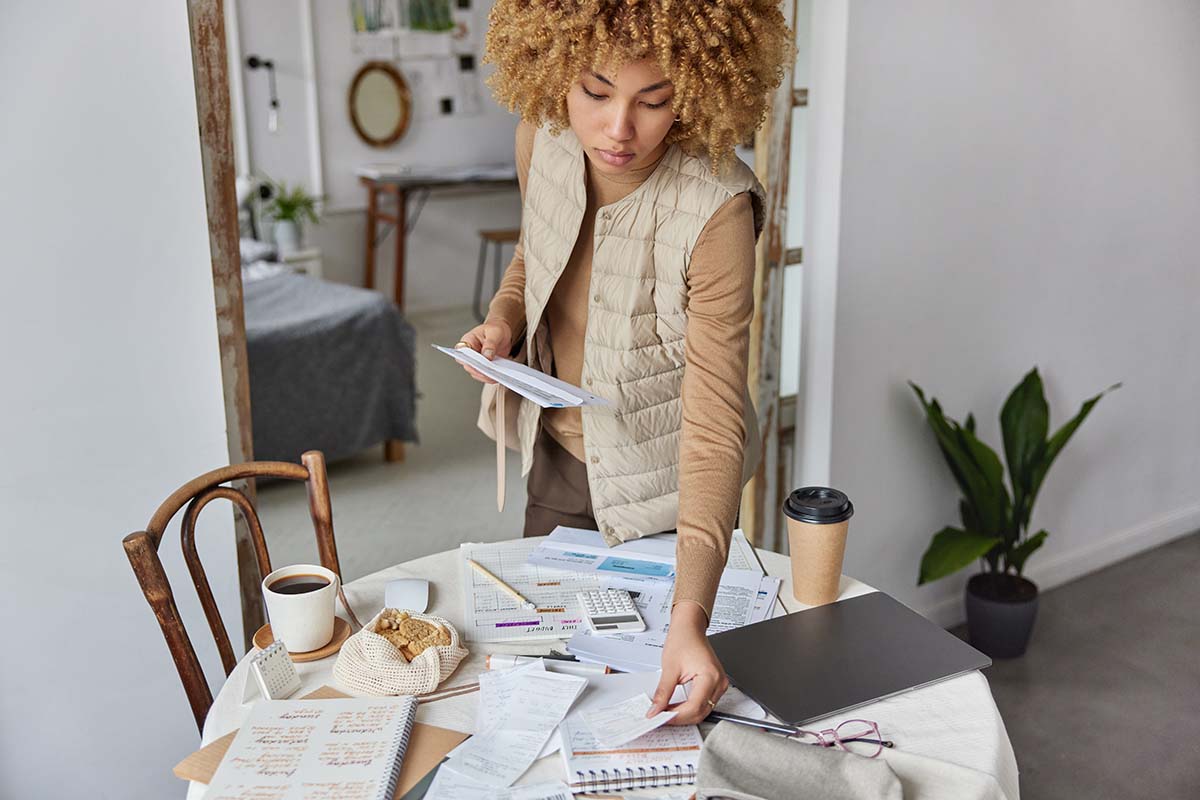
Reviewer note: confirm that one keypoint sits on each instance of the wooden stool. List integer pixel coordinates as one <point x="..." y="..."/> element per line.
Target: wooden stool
<point x="499" y="238"/>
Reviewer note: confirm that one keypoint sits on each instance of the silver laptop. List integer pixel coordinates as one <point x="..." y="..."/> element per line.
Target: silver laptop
<point x="829" y="659"/>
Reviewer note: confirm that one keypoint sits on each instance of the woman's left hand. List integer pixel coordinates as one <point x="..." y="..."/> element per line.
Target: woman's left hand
<point x="687" y="656"/>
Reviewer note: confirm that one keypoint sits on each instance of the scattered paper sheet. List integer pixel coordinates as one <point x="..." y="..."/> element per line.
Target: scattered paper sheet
<point x="449" y="785"/>
<point x="640" y="652"/>
<point x="624" y="721"/>
<point x="518" y="711"/>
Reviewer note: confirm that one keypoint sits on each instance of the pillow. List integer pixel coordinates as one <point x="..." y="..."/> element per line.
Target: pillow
<point x="253" y="250"/>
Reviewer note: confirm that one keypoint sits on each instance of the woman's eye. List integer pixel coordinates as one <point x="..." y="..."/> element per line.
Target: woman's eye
<point x="657" y="105"/>
<point x="592" y="95"/>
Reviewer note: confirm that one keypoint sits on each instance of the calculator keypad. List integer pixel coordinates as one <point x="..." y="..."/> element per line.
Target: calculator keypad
<point x="611" y="611"/>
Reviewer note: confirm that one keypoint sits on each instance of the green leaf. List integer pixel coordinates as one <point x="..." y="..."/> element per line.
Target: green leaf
<point x="951" y="550"/>
<point x="1025" y="549"/>
<point x="1024" y="421"/>
<point x="1059" y="440"/>
<point x="975" y="466"/>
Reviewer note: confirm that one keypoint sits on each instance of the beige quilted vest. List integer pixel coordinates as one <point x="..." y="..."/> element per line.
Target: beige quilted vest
<point x="637" y="316"/>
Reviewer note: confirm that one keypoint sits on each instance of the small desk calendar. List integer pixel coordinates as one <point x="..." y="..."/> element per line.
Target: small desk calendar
<point x="274" y="673"/>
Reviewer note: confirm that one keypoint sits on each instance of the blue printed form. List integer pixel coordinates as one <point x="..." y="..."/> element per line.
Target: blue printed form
<point x="628" y="566"/>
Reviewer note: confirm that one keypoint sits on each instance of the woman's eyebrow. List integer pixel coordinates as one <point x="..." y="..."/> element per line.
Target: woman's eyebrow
<point x="651" y="88"/>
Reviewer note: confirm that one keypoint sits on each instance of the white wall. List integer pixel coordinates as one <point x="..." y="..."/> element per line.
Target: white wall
<point x="112" y="390"/>
<point x="443" y="248"/>
<point x="1020" y="186"/>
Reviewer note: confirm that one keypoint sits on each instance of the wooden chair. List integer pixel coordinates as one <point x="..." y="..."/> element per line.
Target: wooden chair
<point x="498" y="239"/>
<point x="142" y="549"/>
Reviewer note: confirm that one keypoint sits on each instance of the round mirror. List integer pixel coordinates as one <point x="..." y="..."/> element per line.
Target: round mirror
<point x="380" y="104"/>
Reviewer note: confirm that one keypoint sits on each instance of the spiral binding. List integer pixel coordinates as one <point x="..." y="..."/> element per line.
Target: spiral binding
<point x="640" y="778"/>
<point x="400" y="747"/>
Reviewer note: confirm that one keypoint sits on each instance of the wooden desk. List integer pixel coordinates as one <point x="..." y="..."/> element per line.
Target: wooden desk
<point x="395" y="213"/>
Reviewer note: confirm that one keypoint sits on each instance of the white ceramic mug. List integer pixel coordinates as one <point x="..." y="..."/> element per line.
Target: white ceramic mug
<point x="303" y="622"/>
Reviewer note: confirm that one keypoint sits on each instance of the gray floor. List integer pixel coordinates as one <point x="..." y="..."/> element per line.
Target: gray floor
<point x="1105" y="704"/>
<point x="1106" y="701"/>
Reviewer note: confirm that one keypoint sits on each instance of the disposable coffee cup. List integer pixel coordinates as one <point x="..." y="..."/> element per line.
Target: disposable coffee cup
<point x="817" y="520"/>
<point x="301" y="601"/>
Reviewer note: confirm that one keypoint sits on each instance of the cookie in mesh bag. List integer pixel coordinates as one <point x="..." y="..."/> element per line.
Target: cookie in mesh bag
<point x="409" y="635"/>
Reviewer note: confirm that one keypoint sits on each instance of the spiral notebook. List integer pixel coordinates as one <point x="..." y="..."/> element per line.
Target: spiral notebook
<point x="667" y="756"/>
<point x="309" y="748"/>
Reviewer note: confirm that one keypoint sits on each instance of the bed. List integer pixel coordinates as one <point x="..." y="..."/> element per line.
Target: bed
<point x="331" y="366"/>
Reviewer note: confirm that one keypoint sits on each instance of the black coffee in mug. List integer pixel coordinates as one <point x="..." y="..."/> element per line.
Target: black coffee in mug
<point x="298" y="584"/>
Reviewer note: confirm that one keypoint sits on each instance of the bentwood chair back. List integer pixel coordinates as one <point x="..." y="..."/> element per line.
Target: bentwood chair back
<point x="142" y="549"/>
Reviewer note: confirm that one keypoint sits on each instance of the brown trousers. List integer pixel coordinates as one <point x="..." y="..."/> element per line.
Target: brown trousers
<point x="558" y="490"/>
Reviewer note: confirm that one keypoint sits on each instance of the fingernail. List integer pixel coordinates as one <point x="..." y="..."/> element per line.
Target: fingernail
<point x="489" y="352"/>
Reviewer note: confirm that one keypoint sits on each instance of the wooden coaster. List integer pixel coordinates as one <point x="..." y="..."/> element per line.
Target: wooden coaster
<point x="341" y="632"/>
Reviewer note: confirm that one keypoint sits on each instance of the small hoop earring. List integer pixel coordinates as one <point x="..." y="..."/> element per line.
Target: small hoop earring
<point x="677" y="119"/>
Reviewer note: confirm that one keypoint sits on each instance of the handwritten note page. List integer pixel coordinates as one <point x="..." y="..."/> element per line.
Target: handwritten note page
<point x="518" y="710"/>
<point x="328" y="749"/>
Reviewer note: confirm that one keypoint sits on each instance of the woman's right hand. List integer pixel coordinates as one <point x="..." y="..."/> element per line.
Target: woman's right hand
<point x="490" y="338"/>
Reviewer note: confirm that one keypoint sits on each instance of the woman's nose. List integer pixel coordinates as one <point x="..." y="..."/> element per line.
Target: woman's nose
<point x="619" y="125"/>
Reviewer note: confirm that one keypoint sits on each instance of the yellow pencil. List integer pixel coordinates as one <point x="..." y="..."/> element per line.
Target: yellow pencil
<point x="520" y="598"/>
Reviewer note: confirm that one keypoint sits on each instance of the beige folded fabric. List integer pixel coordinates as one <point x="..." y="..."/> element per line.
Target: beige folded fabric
<point x="743" y="763"/>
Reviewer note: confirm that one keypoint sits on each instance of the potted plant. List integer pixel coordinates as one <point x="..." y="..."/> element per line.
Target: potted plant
<point x="289" y="208"/>
<point x="1001" y="602"/>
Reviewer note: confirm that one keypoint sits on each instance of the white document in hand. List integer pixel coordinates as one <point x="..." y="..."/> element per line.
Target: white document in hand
<point x="545" y="390"/>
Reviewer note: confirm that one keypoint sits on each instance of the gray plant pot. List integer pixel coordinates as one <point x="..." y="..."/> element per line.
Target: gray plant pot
<point x="287" y="236"/>
<point x="1001" y="610"/>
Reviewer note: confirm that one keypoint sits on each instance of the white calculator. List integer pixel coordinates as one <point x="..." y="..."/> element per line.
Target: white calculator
<point x="611" y="611"/>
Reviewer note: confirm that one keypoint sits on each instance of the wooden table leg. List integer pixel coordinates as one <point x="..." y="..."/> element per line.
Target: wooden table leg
<point x="401" y="224"/>
<point x="393" y="450"/>
<point x="371" y="220"/>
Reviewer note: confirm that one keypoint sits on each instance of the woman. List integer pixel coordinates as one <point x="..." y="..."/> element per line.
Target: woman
<point x="634" y="276"/>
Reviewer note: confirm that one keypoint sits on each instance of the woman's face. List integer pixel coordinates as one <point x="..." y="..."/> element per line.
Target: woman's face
<point x="622" y="117"/>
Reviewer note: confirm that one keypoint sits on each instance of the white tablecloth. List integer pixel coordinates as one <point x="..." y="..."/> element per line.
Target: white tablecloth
<point x="950" y="740"/>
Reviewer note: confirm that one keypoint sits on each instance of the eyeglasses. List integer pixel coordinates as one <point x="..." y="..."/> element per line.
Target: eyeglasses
<point x="858" y="736"/>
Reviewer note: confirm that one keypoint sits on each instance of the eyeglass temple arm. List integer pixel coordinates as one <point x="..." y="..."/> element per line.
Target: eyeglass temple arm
<point x="779" y="727"/>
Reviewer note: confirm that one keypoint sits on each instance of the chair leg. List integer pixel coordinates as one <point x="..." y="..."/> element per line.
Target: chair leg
<point x="393" y="451"/>
<point x="477" y="298"/>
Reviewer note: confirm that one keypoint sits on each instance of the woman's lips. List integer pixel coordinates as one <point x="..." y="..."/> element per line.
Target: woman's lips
<point x="615" y="159"/>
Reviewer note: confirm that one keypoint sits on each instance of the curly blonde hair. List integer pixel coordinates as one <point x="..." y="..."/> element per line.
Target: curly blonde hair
<point x="724" y="57"/>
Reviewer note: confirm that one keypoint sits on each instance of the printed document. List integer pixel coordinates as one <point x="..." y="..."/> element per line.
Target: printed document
<point x="737" y="596"/>
<point x="624" y="721"/>
<point x="448" y="785"/>
<point x="493" y="615"/>
<point x="651" y="558"/>
<point x="518" y="711"/>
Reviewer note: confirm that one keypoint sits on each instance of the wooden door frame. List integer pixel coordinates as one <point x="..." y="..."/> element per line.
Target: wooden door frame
<point x="210" y="70"/>
<point x="772" y="148"/>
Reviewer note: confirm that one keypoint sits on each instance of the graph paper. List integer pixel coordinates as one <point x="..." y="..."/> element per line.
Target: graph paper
<point x="492" y="615"/>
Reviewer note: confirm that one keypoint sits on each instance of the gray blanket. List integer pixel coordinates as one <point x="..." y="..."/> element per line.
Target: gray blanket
<point x="331" y="368"/>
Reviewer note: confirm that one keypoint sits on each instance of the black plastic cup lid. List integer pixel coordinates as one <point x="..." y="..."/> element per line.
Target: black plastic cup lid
<point x="818" y="505"/>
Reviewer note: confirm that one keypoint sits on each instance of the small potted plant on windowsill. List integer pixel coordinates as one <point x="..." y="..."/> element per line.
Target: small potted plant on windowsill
<point x="1001" y="602"/>
<point x="289" y="208"/>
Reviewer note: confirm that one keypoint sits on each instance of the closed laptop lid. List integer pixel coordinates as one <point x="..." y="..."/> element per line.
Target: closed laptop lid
<point x="829" y="659"/>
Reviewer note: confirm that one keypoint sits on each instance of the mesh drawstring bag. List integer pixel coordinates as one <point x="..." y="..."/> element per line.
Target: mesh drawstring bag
<point x="370" y="663"/>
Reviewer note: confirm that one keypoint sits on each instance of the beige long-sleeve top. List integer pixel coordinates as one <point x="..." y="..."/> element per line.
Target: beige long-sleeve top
<point x="720" y="305"/>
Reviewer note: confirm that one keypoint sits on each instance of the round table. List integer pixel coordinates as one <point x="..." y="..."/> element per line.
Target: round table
<point x="950" y="740"/>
